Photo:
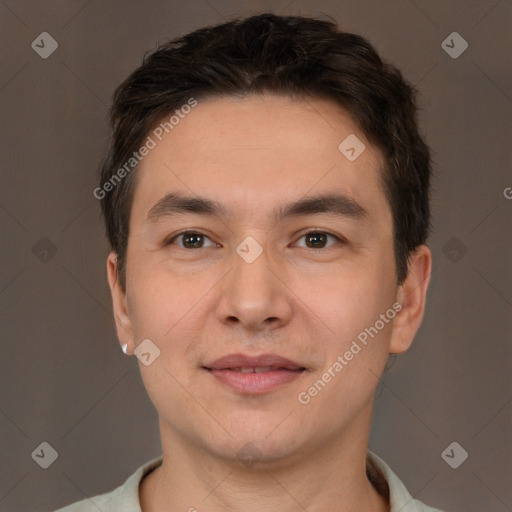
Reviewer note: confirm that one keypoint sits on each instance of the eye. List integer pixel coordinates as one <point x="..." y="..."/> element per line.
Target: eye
<point x="190" y="240"/>
<point x="318" y="239"/>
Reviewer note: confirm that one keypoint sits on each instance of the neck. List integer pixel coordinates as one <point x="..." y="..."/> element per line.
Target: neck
<point x="327" y="477"/>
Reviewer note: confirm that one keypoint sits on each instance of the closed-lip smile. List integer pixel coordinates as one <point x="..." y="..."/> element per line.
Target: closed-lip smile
<point x="254" y="374"/>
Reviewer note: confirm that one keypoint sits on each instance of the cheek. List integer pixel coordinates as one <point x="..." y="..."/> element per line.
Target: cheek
<point x="347" y="302"/>
<point x="158" y="304"/>
<point x="166" y="310"/>
<point x="161" y="292"/>
<point x="171" y="310"/>
<point x="355" y="346"/>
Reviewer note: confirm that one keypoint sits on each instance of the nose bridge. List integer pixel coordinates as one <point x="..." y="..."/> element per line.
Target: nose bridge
<point x="251" y="265"/>
<point x="251" y="274"/>
<point x="252" y="294"/>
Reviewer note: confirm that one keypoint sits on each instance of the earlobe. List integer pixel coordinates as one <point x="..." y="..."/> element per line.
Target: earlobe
<point x="412" y="296"/>
<point x="121" y="314"/>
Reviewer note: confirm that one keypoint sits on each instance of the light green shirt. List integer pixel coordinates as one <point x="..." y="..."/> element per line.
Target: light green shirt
<point x="126" y="497"/>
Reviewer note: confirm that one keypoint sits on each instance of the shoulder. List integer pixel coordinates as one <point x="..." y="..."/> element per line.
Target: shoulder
<point x="93" y="504"/>
<point x="383" y="477"/>
<point x="125" y="497"/>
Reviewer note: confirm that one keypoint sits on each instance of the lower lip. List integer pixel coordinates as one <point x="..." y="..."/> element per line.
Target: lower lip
<point x="256" y="383"/>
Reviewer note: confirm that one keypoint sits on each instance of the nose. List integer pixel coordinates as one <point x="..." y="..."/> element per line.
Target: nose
<point x="254" y="296"/>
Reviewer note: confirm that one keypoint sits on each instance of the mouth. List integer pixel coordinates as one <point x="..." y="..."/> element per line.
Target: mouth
<point x="254" y="375"/>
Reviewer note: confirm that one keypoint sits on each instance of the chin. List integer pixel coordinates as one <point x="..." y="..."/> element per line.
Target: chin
<point x="256" y="454"/>
<point x="263" y="444"/>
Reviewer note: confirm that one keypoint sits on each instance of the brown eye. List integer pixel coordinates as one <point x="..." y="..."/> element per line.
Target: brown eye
<point x="317" y="239"/>
<point x="190" y="240"/>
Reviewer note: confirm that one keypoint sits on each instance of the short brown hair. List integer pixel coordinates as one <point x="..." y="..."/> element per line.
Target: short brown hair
<point x="288" y="55"/>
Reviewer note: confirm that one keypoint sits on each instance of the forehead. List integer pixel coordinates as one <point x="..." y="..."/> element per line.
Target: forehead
<point x="253" y="153"/>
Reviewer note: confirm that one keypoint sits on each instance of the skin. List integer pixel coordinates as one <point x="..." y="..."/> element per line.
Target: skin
<point x="304" y="302"/>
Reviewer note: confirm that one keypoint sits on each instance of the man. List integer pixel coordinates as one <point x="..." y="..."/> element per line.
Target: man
<point x="266" y="196"/>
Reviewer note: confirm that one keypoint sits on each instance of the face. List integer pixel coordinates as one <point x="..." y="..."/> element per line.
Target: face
<point x="262" y="274"/>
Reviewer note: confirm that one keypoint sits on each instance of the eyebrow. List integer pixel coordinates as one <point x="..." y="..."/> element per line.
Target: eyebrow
<point x="337" y="204"/>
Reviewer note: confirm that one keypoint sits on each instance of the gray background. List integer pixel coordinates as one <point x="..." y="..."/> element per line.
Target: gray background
<point x="63" y="377"/>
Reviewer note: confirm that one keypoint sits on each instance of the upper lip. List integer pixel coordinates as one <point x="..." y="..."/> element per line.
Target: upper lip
<point x="243" y="361"/>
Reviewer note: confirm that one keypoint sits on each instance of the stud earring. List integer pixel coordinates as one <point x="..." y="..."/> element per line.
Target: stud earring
<point x="125" y="347"/>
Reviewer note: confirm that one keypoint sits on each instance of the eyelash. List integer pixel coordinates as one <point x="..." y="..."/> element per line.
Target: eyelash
<point x="170" y="241"/>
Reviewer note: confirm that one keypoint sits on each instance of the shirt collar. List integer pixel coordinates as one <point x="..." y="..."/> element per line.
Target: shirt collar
<point x="385" y="481"/>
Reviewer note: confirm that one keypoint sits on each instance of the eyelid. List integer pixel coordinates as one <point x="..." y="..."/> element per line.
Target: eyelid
<point x="309" y="231"/>
<point x="170" y="240"/>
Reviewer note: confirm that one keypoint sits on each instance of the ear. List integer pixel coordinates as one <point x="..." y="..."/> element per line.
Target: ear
<point x="121" y="314"/>
<point x="412" y="296"/>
